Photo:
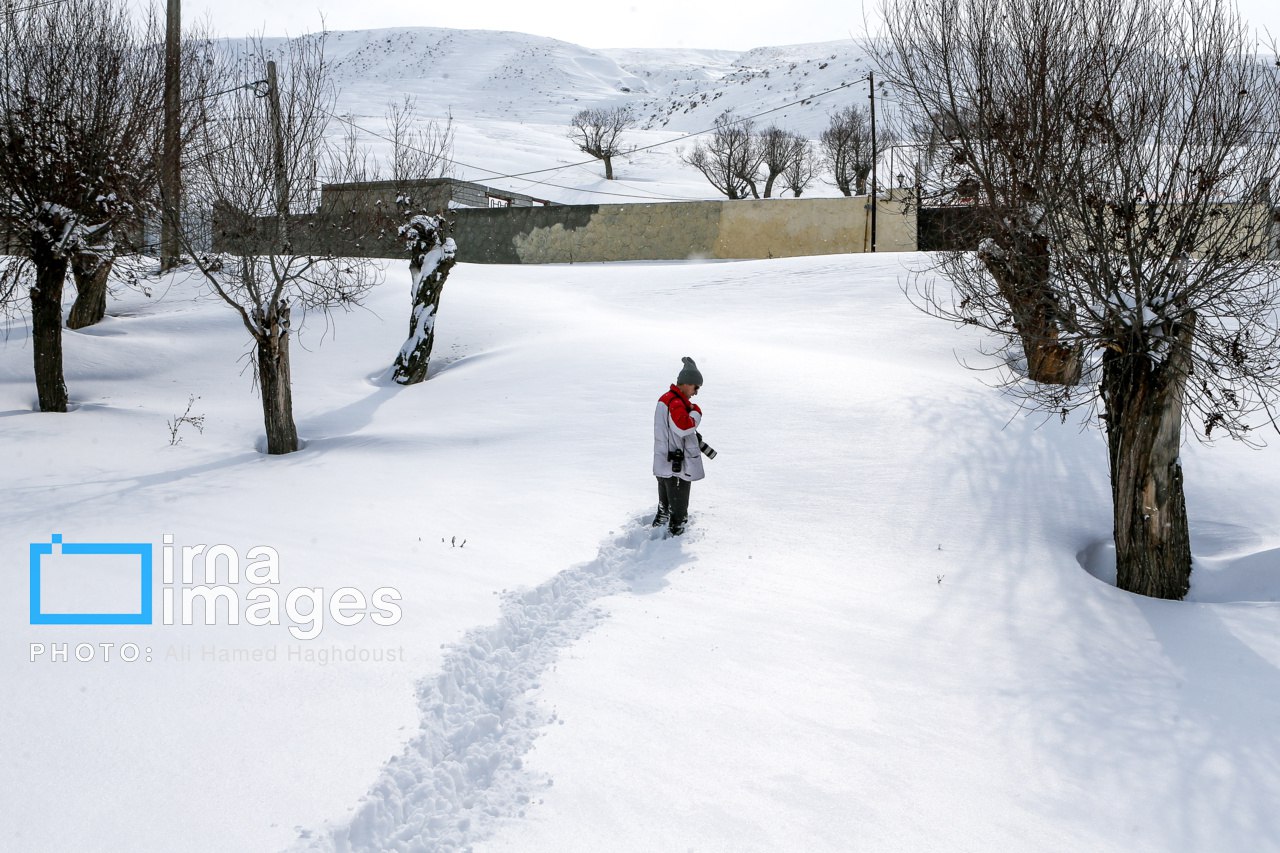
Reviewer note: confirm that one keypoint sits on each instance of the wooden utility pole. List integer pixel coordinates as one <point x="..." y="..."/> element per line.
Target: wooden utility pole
<point x="171" y="153"/>
<point x="282" y="175"/>
<point x="875" y="155"/>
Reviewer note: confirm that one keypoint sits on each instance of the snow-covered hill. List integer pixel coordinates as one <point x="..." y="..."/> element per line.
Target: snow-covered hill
<point x="476" y="73"/>
<point x="766" y="79"/>
<point x="512" y="95"/>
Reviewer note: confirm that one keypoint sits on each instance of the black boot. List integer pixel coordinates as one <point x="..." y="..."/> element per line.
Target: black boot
<point x="674" y="495"/>
<point x="663" y="516"/>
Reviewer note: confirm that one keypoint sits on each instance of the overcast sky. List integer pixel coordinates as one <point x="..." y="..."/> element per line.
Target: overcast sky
<point x="621" y="23"/>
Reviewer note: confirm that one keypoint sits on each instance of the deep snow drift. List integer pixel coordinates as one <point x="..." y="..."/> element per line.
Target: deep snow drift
<point x="879" y="633"/>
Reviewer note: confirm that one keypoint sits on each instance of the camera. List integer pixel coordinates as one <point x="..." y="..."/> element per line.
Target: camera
<point x="676" y="458"/>
<point x="707" y="450"/>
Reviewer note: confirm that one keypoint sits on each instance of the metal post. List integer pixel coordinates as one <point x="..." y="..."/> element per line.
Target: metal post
<point x="282" y="175"/>
<point x="171" y="153"/>
<point x="874" y="156"/>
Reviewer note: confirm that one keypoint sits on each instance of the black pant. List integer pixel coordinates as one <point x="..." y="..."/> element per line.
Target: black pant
<point x="673" y="495"/>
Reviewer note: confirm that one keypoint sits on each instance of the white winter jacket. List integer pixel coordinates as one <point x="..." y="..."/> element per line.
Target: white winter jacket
<point x="675" y="425"/>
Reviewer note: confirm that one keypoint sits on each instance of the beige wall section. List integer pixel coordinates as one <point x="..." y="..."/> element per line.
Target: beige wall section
<point x="741" y="229"/>
<point x="896" y="229"/>
<point x="783" y="228"/>
<point x="626" y="232"/>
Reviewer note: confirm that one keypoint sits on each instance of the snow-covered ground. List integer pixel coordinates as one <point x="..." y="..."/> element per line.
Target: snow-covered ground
<point x="884" y="631"/>
<point x="877" y="634"/>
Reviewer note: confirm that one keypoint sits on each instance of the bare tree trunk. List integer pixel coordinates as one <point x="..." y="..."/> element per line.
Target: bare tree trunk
<point x="91" y="291"/>
<point x="46" y="332"/>
<point x="1020" y="268"/>
<point x="274" y="382"/>
<point x="411" y="364"/>
<point x="608" y="167"/>
<point x="432" y="258"/>
<point x="1143" y="404"/>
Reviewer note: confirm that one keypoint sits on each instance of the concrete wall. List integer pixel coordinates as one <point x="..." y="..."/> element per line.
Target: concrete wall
<point x="741" y="229"/>
<point x="765" y="228"/>
<point x="1253" y="229"/>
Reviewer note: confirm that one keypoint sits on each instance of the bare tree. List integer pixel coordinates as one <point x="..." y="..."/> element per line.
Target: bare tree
<point x="79" y="126"/>
<point x="730" y="159"/>
<point x="257" y="162"/>
<point x="598" y="132"/>
<point x="420" y="150"/>
<point x="1136" y="149"/>
<point x="777" y="151"/>
<point x="846" y="147"/>
<point x="802" y="169"/>
<point x="350" y="158"/>
<point x="750" y="160"/>
<point x="999" y="87"/>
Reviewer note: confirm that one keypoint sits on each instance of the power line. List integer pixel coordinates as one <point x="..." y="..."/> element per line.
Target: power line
<point x="618" y="195"/>
<point x="501" y="176"/>
<point x="752" y="117"/>
<point x="9" y="10"/>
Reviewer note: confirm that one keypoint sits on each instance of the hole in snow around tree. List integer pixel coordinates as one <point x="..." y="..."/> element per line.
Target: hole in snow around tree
<point x="1232" y="564"/>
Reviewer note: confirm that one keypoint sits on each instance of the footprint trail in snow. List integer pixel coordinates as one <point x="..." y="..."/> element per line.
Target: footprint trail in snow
<point x="464" y="770"/>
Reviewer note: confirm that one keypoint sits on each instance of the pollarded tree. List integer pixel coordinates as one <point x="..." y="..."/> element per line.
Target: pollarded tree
<point x="802" y="169"/>
<point x="778" y="150"/>
<point x="846" y="148"/>
<point x="730" y="160"/>
<point x="1153" y="205"/>
<point x="999" y="86"/>
<point x="598" y="132"/>
<point x="256" y="166"/>
<point x="80" y="81"/>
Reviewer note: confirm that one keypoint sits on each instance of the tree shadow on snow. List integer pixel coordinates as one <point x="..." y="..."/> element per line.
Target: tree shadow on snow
<point x="322" y="429"/>
<point x="1152" y="718"/>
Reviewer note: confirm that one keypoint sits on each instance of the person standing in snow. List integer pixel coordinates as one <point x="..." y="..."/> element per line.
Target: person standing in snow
<point x="677" y="448"/>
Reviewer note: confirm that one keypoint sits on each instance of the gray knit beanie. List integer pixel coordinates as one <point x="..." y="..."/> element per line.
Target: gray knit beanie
<point x="690" y="374"/>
